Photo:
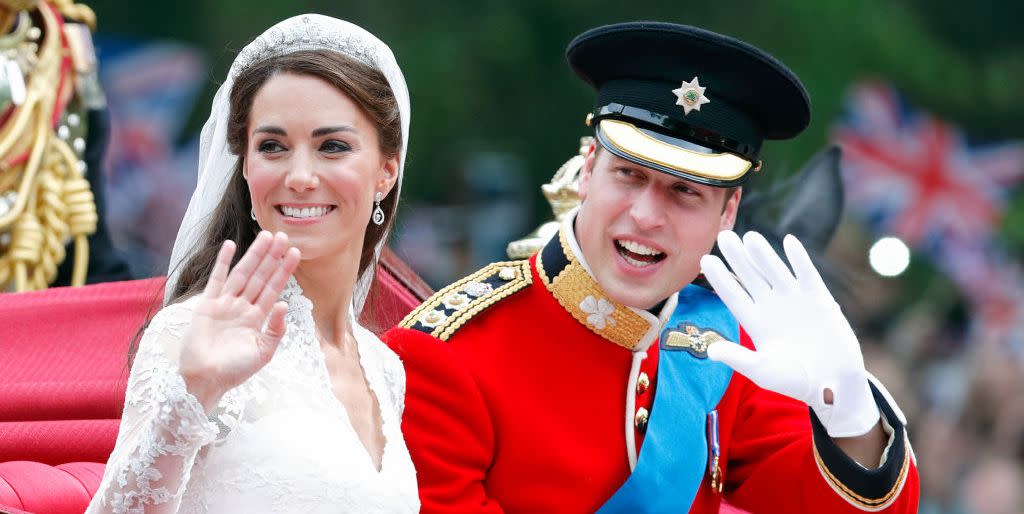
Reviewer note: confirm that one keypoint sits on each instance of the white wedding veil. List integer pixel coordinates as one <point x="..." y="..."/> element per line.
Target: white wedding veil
<point x="216" y="162"/>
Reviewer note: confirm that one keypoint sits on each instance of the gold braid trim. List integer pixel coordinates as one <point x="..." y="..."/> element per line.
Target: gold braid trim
<point x="504" y="278"/>
<point x="862" y="503"/>
<point x="53" y="200"/>
<point x="574" y="285"/>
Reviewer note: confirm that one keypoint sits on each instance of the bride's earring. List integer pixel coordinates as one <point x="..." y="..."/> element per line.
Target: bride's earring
<point x="252" y="214"/>
<point x="378" y="213"/>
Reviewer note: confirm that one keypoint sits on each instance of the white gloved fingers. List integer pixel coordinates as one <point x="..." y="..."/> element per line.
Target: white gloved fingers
<point x="769" y="263"/>
<point x="736" y="255"/>
<point x="740" y="359"/>
<point x="785" y="373"/>
<point x="806" y="274"/>
<point x="804" y="343"/>
<point x="769" y="370"/>
<point x="729" y="291"/>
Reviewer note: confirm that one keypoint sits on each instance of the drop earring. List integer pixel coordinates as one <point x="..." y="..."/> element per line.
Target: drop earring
<point x="378" y="213"/>
<point x="252" y="214"/>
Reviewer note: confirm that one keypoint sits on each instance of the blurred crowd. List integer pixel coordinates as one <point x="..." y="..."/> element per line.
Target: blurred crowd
<point x="960" y="391"/>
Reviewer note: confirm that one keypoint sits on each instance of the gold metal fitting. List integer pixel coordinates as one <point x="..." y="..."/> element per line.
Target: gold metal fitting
<point x="641" y="418"/>
<point x="716" y="476"/>
<point x="643" y="382"/>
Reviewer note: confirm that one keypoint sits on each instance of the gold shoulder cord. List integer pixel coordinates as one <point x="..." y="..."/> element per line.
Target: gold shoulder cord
<point x="46" y="73"/>
<point x="449" y="309"/>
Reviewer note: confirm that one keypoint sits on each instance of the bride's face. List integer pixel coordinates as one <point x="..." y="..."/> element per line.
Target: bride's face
<point x="313" y="165"/>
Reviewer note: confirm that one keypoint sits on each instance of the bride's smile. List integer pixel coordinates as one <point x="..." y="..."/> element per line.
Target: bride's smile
<point x="313" y="165"/>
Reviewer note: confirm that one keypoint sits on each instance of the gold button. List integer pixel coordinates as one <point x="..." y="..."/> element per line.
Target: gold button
<point x="642" y="383"/>
<point x="640" y="420"/>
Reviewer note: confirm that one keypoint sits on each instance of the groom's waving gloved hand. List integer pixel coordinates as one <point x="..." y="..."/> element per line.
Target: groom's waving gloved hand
<point x="805" y="347"/>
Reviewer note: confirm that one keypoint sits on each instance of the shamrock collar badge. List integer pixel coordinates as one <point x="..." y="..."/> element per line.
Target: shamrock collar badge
<point x="690" y="95"/>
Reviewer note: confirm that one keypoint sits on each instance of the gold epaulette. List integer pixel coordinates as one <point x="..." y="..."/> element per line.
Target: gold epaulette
<point x="450" y="308"/>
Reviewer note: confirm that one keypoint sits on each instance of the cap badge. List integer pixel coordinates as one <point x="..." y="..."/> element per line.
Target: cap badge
<point x="690" y="95"/>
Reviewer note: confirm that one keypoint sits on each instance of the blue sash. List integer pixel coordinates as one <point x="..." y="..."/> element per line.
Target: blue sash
<point x="674" y="456"/>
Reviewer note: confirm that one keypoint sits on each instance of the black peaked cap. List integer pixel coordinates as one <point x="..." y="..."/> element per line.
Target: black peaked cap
<point x="635" y="66"/>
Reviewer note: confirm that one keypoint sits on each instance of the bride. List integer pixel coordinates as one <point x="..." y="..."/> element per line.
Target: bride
<point x="253" y="390"/>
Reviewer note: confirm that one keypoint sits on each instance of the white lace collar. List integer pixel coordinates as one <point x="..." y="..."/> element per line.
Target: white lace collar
<point x="300" y="315"/>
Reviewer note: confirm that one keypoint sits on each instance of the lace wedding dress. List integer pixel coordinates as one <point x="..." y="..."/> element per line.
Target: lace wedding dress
<point x="279" y="442"/>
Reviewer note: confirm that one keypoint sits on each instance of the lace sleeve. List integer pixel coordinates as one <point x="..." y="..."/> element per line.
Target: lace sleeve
<point x="162" y="428"/>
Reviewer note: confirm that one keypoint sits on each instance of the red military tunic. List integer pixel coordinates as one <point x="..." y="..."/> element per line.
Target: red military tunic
<point x="515" y="403"/>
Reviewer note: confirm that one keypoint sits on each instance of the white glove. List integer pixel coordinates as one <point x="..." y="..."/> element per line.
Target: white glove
<point x="804" y="343"/>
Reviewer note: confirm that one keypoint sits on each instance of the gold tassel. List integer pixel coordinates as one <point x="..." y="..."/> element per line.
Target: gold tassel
<point x="54" y="203"/>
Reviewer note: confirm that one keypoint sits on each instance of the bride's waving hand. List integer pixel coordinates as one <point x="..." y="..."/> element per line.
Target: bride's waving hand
<point x="238" y="320"/>
<point x="221" y="337"/>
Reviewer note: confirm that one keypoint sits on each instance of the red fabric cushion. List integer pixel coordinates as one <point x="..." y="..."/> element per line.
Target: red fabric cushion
<point x="58" y="441"/>
<point x="64" y="368"/>
<point x="36" y="487"/>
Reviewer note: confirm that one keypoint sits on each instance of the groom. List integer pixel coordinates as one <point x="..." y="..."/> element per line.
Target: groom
<point x="602" y="373"/>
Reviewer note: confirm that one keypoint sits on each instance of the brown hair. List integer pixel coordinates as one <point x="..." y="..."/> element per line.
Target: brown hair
<point x="365" y="85"/>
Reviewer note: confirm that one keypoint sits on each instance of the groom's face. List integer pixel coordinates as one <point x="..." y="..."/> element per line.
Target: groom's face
<point x="313" y="165"/>
<point x="643" y="232"/>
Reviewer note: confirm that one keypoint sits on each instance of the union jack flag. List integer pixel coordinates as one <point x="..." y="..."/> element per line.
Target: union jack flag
<point x="917" y="177"/>
<point x="913" y="176"/>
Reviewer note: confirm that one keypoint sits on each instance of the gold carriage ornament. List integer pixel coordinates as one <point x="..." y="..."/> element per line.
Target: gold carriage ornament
<point x="563" y="195"/>
<point x="48" y="82"/>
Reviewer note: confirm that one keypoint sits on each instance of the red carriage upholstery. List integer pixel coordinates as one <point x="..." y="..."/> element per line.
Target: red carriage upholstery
<point x="63" y="372"/>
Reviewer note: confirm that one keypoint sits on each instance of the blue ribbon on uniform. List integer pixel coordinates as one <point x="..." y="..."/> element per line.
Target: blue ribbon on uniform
<point x="674" y="457"/>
